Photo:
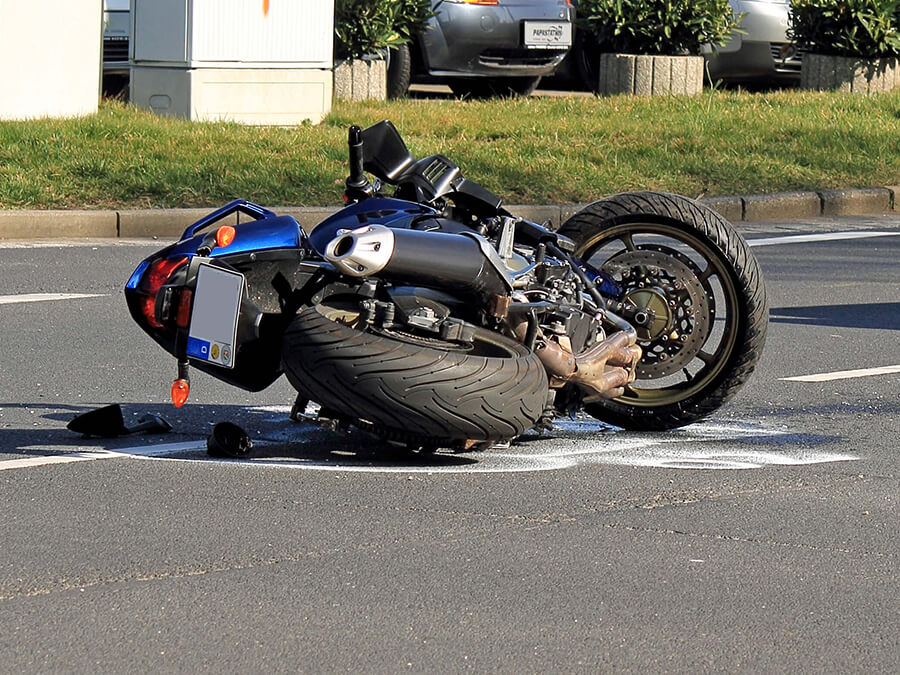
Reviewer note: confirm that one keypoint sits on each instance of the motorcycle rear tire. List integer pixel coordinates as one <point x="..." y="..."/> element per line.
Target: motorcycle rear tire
<point x="410" y="389"/>
<point x="743" y="311"/>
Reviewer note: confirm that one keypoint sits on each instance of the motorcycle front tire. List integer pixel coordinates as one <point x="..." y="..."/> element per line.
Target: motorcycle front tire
<point x="671" y="249"/>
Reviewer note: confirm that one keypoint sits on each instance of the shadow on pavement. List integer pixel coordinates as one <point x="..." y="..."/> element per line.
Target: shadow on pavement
<point x="275" y="436"/>
<point x="879" y="315"/>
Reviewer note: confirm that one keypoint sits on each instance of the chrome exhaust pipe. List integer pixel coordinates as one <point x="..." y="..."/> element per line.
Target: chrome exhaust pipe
<point x="361" y="252"/>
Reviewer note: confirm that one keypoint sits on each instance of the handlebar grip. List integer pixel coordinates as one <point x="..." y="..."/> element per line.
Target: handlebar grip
<point x="356" y="178"/>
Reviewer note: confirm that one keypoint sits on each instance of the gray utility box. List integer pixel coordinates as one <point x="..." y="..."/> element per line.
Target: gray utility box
<point x="247" y="61"/>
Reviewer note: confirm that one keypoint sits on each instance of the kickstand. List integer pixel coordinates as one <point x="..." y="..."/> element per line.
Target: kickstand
<point x="298" y="411"/>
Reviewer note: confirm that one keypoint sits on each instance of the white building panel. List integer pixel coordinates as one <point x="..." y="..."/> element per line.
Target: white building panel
<point x="250" y="61"/>
<point x="50" y="58"/>
<point x="238" y="33"/>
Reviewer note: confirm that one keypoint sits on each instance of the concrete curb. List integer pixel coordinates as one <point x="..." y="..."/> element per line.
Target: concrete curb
<point x="166" y="223"/>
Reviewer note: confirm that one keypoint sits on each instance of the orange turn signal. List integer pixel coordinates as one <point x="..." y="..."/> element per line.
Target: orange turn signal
<point x="180" y="390"/>
<point x="224" y="236"/>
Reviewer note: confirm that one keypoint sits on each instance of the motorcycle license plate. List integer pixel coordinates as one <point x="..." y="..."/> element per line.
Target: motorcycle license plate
<point x="548" y="34"/>
<point x="217" y="303"/>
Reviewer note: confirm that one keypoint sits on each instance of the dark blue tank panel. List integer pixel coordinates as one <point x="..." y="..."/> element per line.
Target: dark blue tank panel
<point x="376" y="211"/>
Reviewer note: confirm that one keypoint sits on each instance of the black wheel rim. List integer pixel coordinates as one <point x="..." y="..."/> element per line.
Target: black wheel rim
<point x="687" y="349"/>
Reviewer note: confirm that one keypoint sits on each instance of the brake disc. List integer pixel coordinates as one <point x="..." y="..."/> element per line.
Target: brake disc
<point x="673" y="308"/>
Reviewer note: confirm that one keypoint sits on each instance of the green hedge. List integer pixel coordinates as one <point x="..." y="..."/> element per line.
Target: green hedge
<point x="370" y="26"/>
<point x="864" y="28"/>
<point x="671" y="27"/>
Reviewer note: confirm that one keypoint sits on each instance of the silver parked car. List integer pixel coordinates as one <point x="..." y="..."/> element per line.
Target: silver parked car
<point x="485" y="47"/>
<point x="763" y="51"/>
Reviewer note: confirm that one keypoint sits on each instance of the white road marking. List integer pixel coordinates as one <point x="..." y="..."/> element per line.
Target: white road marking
<point x="583" y="442"/>
<point x="78" y="243"/>
<point x="825" y="236"/>
<point x="844" y="374"/>
<point x="45" y="297"/>
<point x="67" y="458"/>
<point x="88" y="455"/>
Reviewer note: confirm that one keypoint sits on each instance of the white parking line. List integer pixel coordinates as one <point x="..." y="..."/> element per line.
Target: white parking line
<point x="45" y="297"/>
<point x="825" y="236"/>
<point x="68" y="458"/>
<point x="843" y="374"/>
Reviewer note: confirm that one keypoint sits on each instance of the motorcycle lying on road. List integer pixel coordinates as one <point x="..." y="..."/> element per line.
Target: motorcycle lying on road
<point x="427" y="314"/>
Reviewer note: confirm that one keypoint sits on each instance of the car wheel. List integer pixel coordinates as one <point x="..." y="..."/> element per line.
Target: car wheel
<point x="586" y="53"/>
<point x="399" y="71"/>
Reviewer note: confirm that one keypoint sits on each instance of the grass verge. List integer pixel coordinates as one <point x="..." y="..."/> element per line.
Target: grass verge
<point x="535" y="150"/>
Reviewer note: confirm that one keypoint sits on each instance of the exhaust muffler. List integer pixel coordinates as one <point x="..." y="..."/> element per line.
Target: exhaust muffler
<point x="461" y="262"/>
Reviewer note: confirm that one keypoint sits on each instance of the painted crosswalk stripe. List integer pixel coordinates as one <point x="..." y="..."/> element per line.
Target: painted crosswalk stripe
<point x="45" y="297"/>
<point x="843" y="374"/>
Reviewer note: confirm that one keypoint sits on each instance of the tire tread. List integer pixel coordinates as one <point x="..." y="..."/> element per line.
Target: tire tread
<point x="421" y="390"/>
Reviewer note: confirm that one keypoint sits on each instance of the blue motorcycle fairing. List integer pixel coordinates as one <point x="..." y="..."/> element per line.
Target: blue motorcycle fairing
<point x="389" y="212"/>
<point x="254" y="235"/>
<point x="268" y="232"/>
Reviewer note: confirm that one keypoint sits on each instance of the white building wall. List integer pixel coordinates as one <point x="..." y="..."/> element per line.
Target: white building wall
<point x="50" y="58"/>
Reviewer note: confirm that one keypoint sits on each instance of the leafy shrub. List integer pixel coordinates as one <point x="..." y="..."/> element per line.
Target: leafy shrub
<point x="369" y="26"/>
<point x="864" y="28"/>
<point x="669" y="27"/>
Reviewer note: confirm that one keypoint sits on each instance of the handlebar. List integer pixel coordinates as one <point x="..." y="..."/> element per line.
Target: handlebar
<point x="357" y="178"/>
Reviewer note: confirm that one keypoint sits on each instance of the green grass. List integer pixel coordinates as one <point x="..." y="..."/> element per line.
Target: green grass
<point x="535" y="150"/>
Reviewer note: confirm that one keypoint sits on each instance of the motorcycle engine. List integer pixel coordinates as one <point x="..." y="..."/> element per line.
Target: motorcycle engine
<point x="567" y="314"/>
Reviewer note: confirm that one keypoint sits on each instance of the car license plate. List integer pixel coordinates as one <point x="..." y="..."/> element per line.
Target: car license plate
<point x="217" y="303"/>
<point x="548" y="34"/>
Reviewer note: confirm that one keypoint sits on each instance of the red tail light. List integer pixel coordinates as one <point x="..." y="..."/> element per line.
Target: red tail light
<point x="156" y="276"/>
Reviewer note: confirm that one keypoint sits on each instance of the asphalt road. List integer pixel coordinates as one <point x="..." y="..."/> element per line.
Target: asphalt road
<point x="764" y="539"/>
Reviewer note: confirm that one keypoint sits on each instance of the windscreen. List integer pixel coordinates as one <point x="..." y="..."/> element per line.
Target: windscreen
<point x="385" y="155"/>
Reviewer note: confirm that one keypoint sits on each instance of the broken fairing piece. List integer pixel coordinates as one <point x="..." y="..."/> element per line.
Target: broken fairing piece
<point x="228" y="440"/>
<point x="109" y="422"/>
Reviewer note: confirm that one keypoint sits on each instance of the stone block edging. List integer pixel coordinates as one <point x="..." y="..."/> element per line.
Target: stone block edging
<point x="360" y="79"/>
<point x="850" y="74"/>
<point x="170" y="223"/>
<point x="642" y="75"/>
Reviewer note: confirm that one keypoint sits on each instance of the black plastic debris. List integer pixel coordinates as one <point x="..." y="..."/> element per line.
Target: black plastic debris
<point x="108" y="422"/>
<point x="228" y="440"/>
